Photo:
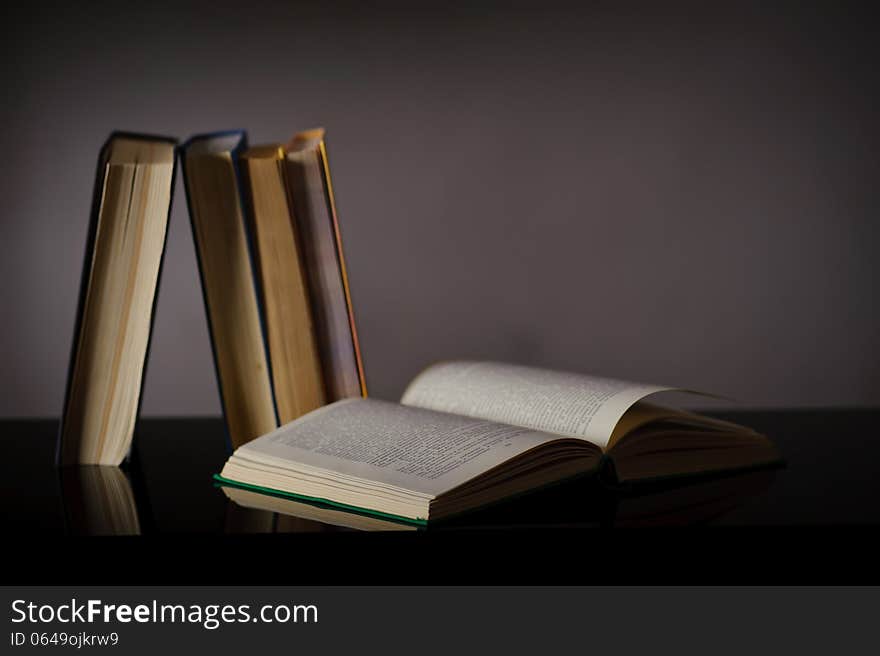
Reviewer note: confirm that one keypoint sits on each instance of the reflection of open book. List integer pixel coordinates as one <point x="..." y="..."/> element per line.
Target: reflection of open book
<point x="98" y="500"/>
<point x="697" y="502"/>
<point x="585" y="502"/>
<point x="468" y="434"/>
<point x="254" y="512"/>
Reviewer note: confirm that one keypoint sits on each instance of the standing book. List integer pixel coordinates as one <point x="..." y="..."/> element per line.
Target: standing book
<point x="117" y="302"/>
<point x="292" y="345"/>
<point x="214" y="193"/>
<point x="274" y="279"/>
<point x="310" y="190"/>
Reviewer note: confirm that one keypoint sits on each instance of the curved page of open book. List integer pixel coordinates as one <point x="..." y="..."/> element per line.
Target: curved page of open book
<point x="574" y="405"/>
<point x="645" y="441"/>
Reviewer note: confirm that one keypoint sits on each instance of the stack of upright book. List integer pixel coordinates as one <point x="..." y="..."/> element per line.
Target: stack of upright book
<point x="273" y="277"/>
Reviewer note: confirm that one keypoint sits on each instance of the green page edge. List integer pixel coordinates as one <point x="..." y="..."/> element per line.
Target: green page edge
<point x="318" y="500"/>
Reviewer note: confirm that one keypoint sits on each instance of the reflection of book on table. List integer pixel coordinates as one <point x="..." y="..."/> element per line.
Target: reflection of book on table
<point x="585" y="502"/>
<point x="467" y="434"/>
<point x="697" y="502"/>
<point x="255" y="512"/>
<point x="98" y="500"/>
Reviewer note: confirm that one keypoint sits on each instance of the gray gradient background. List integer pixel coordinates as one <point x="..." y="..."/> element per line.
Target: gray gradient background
<point x="686" y="196"/>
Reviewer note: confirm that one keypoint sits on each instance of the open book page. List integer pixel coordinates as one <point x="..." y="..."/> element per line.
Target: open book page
<point x="573" y="405"/>
<point x="409" y="448"/>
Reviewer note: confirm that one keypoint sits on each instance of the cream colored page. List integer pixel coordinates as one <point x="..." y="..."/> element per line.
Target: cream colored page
<point x="411" y="448"/>
<point x="106" y="383"/>
<point x="574" y="405"/>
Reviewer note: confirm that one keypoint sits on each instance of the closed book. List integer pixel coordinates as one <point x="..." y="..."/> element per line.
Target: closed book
<point x="313" y="203"/>
<point x="295" y="362"/>
<point x="117" y="301"/>
<point x="230" y="286"/>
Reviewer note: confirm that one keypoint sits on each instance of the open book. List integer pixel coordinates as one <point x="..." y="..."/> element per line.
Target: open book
<point x="467" y="434"/>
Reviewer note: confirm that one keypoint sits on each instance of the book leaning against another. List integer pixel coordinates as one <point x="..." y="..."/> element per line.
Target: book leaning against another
<point x="123" y="263"/>
<point x="467" y="434"/>
<point x="273" y="275"/>
<point x="216" y="209"/>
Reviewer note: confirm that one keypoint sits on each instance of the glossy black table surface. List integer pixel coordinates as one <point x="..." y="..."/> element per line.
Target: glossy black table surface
<point x="826" y="496"/>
